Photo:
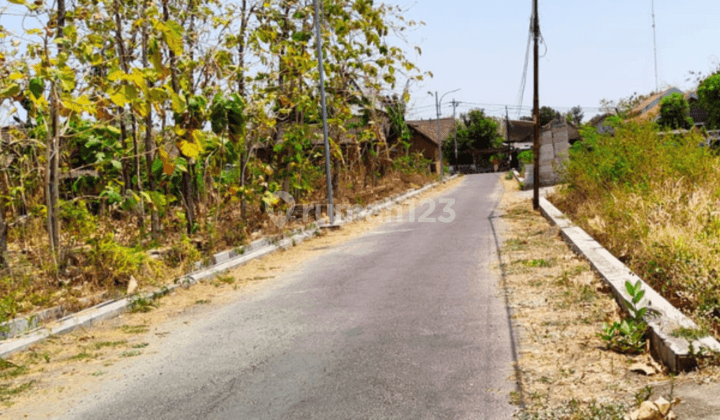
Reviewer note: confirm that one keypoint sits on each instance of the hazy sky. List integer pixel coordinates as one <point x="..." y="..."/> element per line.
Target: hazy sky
<point x="595" y="50"/>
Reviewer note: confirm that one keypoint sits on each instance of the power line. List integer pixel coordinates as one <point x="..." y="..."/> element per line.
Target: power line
<point x="523" y="81"/>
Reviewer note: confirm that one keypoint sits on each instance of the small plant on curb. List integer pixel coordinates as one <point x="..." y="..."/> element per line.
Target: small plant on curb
<point x="141" y="304"/>
<point x="628" y="335"/>
<point x="509" y="176"/>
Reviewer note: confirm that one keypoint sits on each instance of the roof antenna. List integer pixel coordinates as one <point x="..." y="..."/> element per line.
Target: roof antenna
<point x="657" y="87"/>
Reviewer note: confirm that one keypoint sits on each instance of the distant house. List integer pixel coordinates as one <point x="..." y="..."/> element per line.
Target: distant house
<point x="649" y="109"/>
<point x="519" y="132"/>
<point x="600" y="123"/>
<point x="425" y="138"/>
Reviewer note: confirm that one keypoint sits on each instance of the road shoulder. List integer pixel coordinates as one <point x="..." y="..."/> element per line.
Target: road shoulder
<point x="559" y="305"/>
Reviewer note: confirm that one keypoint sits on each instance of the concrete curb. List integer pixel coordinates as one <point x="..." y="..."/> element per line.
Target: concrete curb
<point x="224" y="261"/>
<point x="677" y="353"/>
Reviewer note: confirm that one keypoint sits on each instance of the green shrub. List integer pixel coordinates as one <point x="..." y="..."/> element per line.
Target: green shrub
<point x="675" y="112"/>
<point x="526" y="157"/>
<point x="112" y="263"/>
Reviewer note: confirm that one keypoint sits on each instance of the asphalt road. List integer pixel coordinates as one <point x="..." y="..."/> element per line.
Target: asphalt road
<point x="406" y="322"/>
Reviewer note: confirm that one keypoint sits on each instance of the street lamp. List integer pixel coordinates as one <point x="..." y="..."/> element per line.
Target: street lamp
<point x="438" y="104"/>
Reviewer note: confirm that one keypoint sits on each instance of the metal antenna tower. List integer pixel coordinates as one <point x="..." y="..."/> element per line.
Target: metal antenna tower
<point x="657" y="87"/>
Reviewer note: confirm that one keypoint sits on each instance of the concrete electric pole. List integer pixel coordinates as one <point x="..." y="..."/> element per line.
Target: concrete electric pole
<point x="331" y="212"/>
<point x="454" y="105"/>
<point x="536" y="111"/>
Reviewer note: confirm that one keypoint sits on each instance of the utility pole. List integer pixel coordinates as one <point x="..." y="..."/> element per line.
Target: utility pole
<point x="507" y="133"/>
<point x="331" y="212"/>
<point x="438" y="105"/>
<point x="454" y="105"/>
<point x="536" y="110"/>
<point x="657" y="87"/>
<point x="507" y="126"/>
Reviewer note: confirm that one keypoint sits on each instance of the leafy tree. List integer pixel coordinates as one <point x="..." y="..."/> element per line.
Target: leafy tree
<point x="163" y="107"/>
<point x="548" y="114"/>
<point x="709" y="94"/>
<point x="674" y="112"/>
<point x="475" y="131"/>
<point x="576" y="115"/>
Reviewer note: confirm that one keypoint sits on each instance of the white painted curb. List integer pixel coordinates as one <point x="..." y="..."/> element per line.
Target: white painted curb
<point x="675" y="352"/>
<point x="224" y="261"/>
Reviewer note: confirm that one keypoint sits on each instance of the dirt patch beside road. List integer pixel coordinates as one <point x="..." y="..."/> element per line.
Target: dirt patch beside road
<point x="559" y="305"/>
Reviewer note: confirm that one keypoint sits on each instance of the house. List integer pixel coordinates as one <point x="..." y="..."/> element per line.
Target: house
<point x="600" y="123"/>
<point x="649" y="109"/>
<point x="425" y="138"/>
<point x="519" y="131"/>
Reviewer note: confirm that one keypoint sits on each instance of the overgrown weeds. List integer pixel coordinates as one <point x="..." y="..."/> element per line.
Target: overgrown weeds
<point x="654" y="201"/>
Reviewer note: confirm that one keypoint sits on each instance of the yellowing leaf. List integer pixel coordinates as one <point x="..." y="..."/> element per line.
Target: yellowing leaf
<point x="173" y="36"/>
<point x="10" y="91"/>
<point x="190" y="149"/>
<point x="168" y="164"/>
<point x="178" y="103"/>
<point x="116" y="75"/>
<point x="118" y="98"/>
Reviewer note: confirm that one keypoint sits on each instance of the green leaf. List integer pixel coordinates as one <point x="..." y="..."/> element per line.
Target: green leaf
<point x="638" y="296"/>
<point x="37" y="87"/>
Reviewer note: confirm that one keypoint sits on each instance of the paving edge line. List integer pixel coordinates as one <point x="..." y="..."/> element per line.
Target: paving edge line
<point x="224" y="261"/>
<point x="677" y="353"/>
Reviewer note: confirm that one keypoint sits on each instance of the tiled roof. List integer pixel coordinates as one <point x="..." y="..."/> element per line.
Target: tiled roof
<point x="598" y="119"/>
<point x="650" y="107"/>
<point x="520" y="131"/>
<point x="428" y="128"/>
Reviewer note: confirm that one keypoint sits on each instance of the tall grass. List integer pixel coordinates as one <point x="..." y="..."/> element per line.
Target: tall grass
<point x="654" y="201"/>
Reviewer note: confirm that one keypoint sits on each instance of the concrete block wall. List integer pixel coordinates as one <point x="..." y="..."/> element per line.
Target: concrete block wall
<point x="554" y="148"/>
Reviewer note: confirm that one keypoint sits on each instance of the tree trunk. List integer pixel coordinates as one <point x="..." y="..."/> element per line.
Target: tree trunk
<point x="3" y="236"/>
<point x="122" y="57"/>
<point x="188" y="194"/>
<point x="187" y="182"/>
<point x="149" y="142"/>
<point x="52" y="183"/>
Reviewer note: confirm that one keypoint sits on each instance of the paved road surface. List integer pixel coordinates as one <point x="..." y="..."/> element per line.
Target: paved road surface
<point x="406" y="322"/>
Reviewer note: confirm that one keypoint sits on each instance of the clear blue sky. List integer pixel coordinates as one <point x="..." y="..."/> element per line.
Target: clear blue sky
<point x="595" y="50"/>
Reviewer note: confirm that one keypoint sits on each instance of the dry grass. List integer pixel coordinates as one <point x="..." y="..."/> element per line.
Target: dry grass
<point x="654" y="202"/>
<point x="559" y="305"/>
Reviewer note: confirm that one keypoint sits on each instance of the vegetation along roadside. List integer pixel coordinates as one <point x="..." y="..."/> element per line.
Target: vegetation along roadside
<point x="561" y="310"/>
